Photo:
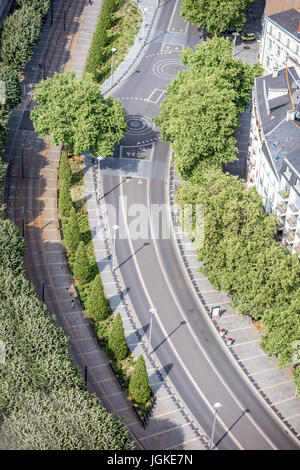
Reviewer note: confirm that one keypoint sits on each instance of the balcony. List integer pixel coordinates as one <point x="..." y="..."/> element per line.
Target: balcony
<point x="280" y="223"/>
<point x="289" y="236"/>
<point x="291" y="221"/>
<point x="284" y="193"/>
<point x="294" y="209"/>
<point x="281" y="208"/>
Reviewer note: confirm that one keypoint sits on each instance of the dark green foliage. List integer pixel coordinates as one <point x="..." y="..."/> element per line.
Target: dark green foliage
<point x="139" y="386"/>
<point x="200" y="113"/>
<point x="81" y="264"/>
<point x="65" y="202"/>
<point x="65" y="172"/>
<point x="43" y="404"/>
<point x="72" y="234"/>
<point x="40" y="5"/>
<point x="20" y="34"/>
<point x="215" y="15"/>
<point x="12" y="248"/>
<point x="99" y="49"/>
<point x="73" y="112"/>
<point x="116" y="339"/>
<point x="97" y="305"/>
<point x="13" y="90"/>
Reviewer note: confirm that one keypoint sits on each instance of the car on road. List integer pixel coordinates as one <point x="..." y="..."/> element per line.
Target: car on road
<point x="248" y="37"/>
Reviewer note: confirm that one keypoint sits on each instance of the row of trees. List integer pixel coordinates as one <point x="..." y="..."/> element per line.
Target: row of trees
<point x="21" y="32"/>
<point x="96" y="64"/>
<point x="43" y="404"/>
<point x="241" y="257"/>
<point x="200" y="113"/>
<point x="216" y="16"/>
<point x="96" y="304"/>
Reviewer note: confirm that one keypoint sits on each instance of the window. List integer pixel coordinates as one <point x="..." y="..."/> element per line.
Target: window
<point x="297" y="49"/>
<point x="279" y="36"/>
<point x="278" y="51"/>
<point x="268" y="61"/>
<point x="287" y="57"/>
<point x="288" y="43"/>
<point x="270" y="29"/>
<point x="270" y="44"/>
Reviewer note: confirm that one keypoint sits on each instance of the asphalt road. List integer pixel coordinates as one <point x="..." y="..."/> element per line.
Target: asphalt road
<point x="196" y="360"/>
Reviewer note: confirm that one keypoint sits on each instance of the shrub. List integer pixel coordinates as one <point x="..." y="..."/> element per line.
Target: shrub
<point x="116" y="339"/>
<point x="81" y="264"/>
<point x="12" y="248"/>
<point x="20" y="34"/>
<point x="65" y="172"/>
<point x="97" y="305"/>
<point x="72" y="234"/>
<point x="65" y="202"/>
<point x="139" y="385"/>
<point x="13" y="90"/>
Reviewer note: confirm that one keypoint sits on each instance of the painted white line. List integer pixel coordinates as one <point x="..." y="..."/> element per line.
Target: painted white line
<point x="283" y="401"/>
<point x="172" y="16"/>
<point x="239" y="329"/>
<point x="164" y="432"/>
<point x="293" y="416"/>
<point x="251" y="357"/>
<point x="275" y="385"/>
<point x="246" y="342"/>
<point x="264" y="370"/>
<point x="153" y="92"/>
<point x="183" y="443"/>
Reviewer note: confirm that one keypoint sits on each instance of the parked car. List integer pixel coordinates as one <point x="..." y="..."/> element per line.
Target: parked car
<point x="248" y="37"/>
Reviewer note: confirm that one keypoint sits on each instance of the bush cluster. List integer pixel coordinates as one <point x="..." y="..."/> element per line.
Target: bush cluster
<point x="99" y="50"/>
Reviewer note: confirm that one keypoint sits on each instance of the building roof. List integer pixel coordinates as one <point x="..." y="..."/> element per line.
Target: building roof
<point x="275" y="96"/>
<point x="287" y="20"/>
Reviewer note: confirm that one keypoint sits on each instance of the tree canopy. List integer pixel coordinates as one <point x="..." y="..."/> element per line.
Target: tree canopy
<point x="73" y="112"/>
<point x="215" y="16"/>
<point x="200" y="113"/>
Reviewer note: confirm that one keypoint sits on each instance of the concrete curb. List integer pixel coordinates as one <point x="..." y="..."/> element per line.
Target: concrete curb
<point x="135" y="52"/>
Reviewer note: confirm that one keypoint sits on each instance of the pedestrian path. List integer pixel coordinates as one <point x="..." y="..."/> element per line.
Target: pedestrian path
<point x="150" y="10"/>
<point x="274" y="385"/>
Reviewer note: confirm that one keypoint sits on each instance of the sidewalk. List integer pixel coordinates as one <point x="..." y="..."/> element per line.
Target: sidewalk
<point x="149" y="9"/>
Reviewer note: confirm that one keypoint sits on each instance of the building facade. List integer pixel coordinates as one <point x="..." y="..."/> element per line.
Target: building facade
<point x="280" y="46"/>
<point x="274" y="151"/>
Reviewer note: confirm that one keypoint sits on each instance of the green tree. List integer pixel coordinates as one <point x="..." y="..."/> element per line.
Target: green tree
<point x="20" y="34"/>
<point x="12" y="248"/>
<point x="72" y="234"/>
<point x="139" y="385"/>
<point x="215" y="15"/>
<point x="200" y="113"/>
<point x="81" y="264"/>
<point x="65" y="171"/>
<point x="13" y="90"/>
<point x="40" y="5"/>
<point x="65" y="203"/>
<point x="97" y="305"/>
<point x="73" y="112"/>
<point x="116" y="339"/>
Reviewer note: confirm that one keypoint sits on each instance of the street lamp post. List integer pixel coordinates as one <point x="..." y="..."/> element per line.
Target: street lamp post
<point x="115" y="228"/>
<point x="217" y="405"/>
<point x="113" y="50"/>
<point x="144" y="24"/>
<point x="152" y="311"/>
<point x="99" y="161"/>
<point x="235" y="35"/>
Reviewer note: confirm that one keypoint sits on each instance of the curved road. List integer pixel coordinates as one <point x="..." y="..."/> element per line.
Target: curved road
<point x="183" y="339"/>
